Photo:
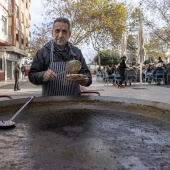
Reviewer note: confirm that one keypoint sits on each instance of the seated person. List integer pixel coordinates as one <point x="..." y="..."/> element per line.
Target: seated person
<point x="99" y="73"/>
<point x="149" y="70"/>
<point x="159" y="66"/>
<point x="99" y="70"/>
<point x="166" y="71"/>
<point x="108" y="71"/>
<point x="113" y="69"/>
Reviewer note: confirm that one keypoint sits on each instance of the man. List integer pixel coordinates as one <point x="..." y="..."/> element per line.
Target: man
<point x="51" y="59"/>
<point x="23" y="71"/>
<point x="16" y="72"/>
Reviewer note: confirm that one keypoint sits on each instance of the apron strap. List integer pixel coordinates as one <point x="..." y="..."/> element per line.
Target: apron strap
<point x="51" y="52"/>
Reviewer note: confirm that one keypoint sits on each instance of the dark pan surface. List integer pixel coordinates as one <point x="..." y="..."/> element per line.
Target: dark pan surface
<point x="86" y="135"/>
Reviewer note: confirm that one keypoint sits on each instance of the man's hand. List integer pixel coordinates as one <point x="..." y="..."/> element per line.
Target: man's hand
<point x="49" y="75"/>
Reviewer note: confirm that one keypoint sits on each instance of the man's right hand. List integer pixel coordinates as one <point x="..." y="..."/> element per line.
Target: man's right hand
<point x="49" y="75"/>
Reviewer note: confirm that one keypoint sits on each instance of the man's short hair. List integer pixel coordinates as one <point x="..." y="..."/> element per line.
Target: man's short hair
<point x="63" y="20"/>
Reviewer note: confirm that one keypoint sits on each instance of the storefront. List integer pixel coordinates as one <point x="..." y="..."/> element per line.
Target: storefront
<point x="11" y="60"/>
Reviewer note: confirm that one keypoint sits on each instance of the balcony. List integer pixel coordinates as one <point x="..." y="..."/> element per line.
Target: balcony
<point x="9" y="39"/>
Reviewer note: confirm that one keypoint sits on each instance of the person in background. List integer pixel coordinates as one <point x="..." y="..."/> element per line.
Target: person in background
<point x="166" y="72"/>
<point x="99" y="73"/>
<point x="51" y="59"/>
<point x="99" y="70"/>
<point x="159" y="66"/>
<point x="148" y="72"/>
<point x="16" y="73"/>
<point x="23" y="71"/>
<point x="160" y="60"/>
<point x="113" y="68"/>
<point x="108" y="71"/>
<point x="149" y="69"/>
<point x="122" y="68"/>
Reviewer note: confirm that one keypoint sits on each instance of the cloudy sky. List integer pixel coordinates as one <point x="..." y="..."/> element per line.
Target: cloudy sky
<point x="37" y="11"/>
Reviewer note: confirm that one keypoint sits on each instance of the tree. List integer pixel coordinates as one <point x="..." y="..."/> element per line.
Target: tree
<point x="108" y="57"/>
<point x="100" y="22"/>
<point x="90" y="18"/>
<point x="157" y="19"/>
<point x="135" y="15"/>
<point x="154" y="49"/>
<point x="39" y="38"/>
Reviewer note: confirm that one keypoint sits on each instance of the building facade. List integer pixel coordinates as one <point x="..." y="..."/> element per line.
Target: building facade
<point x="14" y="34"/>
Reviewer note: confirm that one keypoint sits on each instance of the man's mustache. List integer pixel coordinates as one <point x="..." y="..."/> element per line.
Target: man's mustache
<point x="60" y="39"/>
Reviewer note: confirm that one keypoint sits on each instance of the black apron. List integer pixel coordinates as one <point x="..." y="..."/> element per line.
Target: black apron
<point x="58" y="86"/>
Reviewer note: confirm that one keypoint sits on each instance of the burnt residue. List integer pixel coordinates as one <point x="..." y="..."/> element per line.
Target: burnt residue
<point x="85" y="136"/>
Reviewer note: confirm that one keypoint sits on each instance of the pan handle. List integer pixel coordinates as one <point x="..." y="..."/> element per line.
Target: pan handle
<point x="90" y="92"/>
<point x="6" y="96"/>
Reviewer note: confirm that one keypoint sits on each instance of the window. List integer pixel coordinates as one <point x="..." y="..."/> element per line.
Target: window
<point x="17" y="37"/>
<point x="4" y="24"/>
<point x="22" y="39"/>
<point x="0" y="63"/>
<point x="27" y="25"/>
<point x="22" y="17"/>
<point x="17" y="11"/>
<point x="26" y="42"/>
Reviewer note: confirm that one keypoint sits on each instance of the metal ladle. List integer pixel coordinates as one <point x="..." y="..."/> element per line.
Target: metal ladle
<point x="10" y="122"/>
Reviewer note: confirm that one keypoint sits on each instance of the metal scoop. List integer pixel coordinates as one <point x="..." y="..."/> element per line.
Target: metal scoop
<point x="72" y="66"/>
<point x="10" y="122"/>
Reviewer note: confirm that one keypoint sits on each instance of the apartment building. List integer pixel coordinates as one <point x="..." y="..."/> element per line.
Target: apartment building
<point x="14" y="34"/>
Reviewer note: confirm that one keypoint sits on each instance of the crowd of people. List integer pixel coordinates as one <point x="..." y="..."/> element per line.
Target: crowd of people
<point x="148" y="71"/>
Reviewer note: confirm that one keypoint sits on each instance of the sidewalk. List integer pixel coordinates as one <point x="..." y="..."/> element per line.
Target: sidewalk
<point x="10" y="82"/>
<point x="157" y="93"/>
<point x="6" y="82"/>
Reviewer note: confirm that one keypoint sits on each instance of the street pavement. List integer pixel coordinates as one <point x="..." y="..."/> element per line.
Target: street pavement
<point x="152" y="92"/>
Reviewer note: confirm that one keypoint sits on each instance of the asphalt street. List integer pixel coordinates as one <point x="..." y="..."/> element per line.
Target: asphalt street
<point x="153" y="92"/>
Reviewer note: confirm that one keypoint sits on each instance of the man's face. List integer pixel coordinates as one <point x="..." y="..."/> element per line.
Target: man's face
<point x="61" y="34"/>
